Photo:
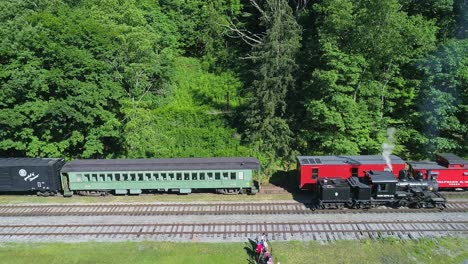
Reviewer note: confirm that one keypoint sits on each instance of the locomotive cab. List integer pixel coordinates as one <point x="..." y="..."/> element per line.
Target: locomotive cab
<point x="383" y="185"/>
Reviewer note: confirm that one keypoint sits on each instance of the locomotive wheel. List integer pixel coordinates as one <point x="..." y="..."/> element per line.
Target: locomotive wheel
<point x="403" y="203"/>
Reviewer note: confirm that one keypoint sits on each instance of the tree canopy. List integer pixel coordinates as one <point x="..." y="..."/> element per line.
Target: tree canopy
<point x="264" y="78"/>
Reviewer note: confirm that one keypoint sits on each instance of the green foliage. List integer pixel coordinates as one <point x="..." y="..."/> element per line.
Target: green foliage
<point x="66" y="71"/>
<point x="266" y="121"/>
<point x="144" y="78"/>
<point x="439" y="10"/>
<point x="358" y="87"/>
<point x="194" y="121"/>
<point x="200" y="25"/>
<point x="443" y="101"/>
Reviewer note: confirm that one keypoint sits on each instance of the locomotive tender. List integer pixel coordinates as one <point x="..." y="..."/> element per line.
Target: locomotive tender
<point x="133" y="176"/>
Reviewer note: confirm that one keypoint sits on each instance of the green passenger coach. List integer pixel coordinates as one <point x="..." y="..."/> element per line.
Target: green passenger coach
<point x="180" y="175"/>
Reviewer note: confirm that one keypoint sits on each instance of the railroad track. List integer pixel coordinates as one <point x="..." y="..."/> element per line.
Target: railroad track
<point x="251" y="208"/>
<point x="324" y="230"/>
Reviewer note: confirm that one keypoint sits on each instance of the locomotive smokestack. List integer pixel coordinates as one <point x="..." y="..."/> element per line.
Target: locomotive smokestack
<point x="388" y="146"/>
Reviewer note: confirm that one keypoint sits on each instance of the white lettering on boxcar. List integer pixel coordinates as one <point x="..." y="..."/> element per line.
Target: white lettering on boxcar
<point x="28" y="177"/>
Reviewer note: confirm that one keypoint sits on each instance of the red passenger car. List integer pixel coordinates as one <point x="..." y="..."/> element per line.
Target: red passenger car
<point x="450" y="170"/>
<point x="312" y="168"/>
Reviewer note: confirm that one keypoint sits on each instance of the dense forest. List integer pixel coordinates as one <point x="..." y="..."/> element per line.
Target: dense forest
<point x="263" y="78"/>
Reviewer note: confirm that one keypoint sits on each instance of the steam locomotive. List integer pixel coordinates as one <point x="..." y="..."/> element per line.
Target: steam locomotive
<point x="379" y="188"/>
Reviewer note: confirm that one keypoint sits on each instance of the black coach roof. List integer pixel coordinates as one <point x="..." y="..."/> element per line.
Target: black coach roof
<point x="428" y="165"/>
<point x="353" y="160"/>
<point x="161" y="164"/>
<point x="9" y="162"/>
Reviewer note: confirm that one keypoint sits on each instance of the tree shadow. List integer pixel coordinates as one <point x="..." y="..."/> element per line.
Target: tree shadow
<point x="289" y="181"/>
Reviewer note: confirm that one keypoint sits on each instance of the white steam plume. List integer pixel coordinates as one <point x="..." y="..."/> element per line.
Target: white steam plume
<point x="388" y="146"/>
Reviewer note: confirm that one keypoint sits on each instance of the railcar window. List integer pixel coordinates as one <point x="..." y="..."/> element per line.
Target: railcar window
<point x="217" y="176"/>
<point x="140" y="177"/>
<point x="233" y="175"/>
<point x="132" y="176"/>
<point x="171" y="176"/>
<point x="179" y="176"/>
<point x="125" y="177"/>
<point x="210" y="175"/>
<point x="109" y="177"/>
<point x="117" y="177"/>
<point x="202" y="176"/>
<point x="102" y="177"/>
<point x="163" y="176"/>
<point x="148" y="176"/>
<point x="194" y="176"/>
<point x="382" y="187"/>
<point x="315" y="172"/>
<point x="187" y="176"/>
<point x="225" y="175"/>
<point x="354" y="172"/>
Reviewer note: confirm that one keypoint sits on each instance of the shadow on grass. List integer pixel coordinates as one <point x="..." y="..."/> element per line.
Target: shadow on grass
<point x="250" y="250"/>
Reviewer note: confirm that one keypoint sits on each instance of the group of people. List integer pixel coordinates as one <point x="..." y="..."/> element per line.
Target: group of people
<point x="263" y="251"/>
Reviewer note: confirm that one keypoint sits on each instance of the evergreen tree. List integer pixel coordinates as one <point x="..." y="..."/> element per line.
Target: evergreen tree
<point x="265" y="117"/>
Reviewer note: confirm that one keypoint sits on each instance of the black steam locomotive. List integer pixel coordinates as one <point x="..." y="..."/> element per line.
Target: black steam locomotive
<point x="376" y="189"/>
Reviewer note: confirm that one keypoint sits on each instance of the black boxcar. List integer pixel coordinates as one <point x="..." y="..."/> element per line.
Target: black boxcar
<point x="40" y="175"/>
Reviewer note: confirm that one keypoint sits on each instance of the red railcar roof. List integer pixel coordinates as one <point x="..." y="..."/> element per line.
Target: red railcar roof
<point x="352" y="160"/>
<point x="452" y="158"/>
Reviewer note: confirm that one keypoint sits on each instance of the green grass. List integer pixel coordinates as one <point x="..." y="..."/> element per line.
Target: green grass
<point x="387" y="251"/>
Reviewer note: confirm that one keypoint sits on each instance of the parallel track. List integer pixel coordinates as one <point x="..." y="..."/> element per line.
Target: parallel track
<point x="251" y="208"/>
<point x="324" y="230"/>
